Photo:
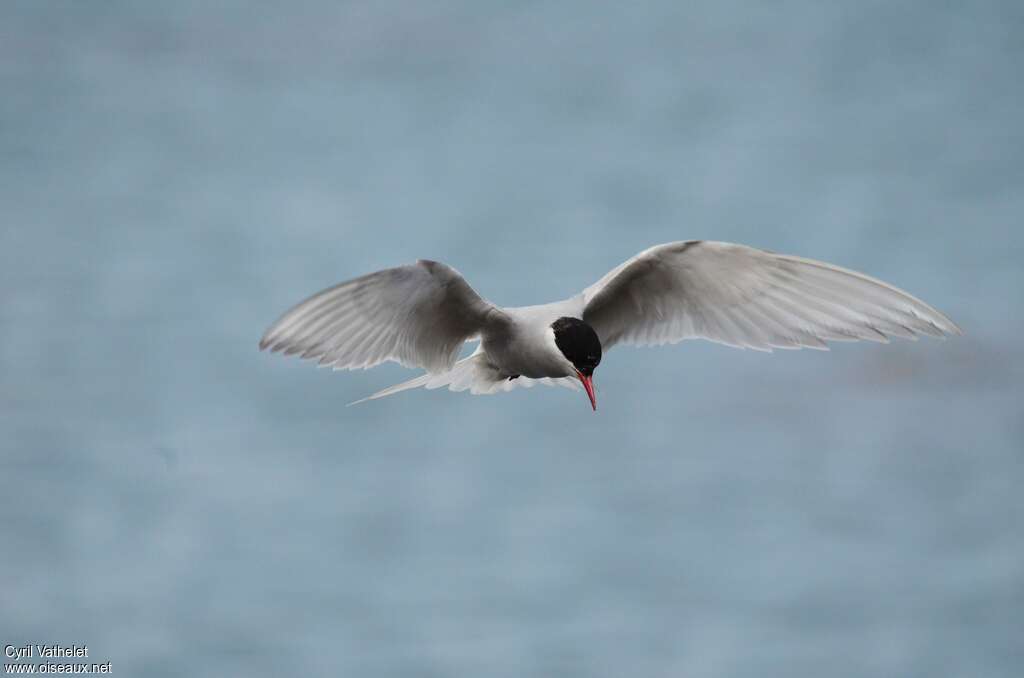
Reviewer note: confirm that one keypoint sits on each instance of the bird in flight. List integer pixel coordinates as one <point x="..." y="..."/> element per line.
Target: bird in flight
<point x="420" y="315"/>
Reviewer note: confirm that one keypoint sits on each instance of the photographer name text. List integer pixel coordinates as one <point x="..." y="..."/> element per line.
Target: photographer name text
<point x="20" y="653"/>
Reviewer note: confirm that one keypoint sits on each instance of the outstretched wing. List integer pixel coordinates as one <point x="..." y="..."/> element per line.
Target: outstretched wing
<point x="418" y="315"/>
<point x="749" y="298"/>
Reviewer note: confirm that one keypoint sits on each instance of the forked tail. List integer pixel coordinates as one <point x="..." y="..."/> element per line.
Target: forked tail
<point x="468" y="373"/>
<point x="472" y="373"/>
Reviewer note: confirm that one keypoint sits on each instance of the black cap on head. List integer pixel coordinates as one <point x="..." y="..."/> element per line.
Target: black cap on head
<point x="579" y="343"/>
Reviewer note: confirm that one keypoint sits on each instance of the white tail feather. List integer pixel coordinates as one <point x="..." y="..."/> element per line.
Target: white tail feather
<point x="473" y="374"/>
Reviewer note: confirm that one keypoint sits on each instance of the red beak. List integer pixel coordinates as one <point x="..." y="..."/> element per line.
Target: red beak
<point x="588" y="383"/>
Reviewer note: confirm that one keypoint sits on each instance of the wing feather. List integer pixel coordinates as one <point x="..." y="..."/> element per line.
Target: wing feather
<point x="749" y="298"/>
<point x="418" y="315"/>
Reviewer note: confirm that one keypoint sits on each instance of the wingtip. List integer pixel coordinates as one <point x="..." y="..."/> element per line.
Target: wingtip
<point x="267" y="341"/>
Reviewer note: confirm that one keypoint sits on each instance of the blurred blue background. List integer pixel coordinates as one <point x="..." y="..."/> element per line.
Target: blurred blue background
<point x="174" y="175"/>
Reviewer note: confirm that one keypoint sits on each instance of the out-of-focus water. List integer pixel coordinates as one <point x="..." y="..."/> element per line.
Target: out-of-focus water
<point x="174" y="175"/>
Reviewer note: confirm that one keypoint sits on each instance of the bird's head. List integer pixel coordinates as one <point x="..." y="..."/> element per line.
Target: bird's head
<point x="579" y="344"/>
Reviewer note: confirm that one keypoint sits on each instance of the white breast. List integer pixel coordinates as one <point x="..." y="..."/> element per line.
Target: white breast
<point x="530" y="350"/>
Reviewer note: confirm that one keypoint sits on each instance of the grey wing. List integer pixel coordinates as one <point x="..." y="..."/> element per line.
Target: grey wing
<point x="417" y="315"/>
<point x="749" y="298"/>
